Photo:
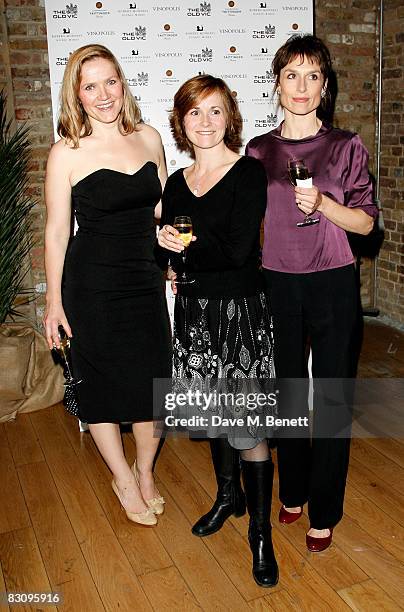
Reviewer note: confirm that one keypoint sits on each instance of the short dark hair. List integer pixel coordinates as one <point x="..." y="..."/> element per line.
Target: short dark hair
<point x="311" y="48"/>
<point x="195" y="89"/>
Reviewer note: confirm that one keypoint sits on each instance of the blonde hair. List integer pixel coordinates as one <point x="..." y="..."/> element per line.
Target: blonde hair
<point x="73" y="122"/>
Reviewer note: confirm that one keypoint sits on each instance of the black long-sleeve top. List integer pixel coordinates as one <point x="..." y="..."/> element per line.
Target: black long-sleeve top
<point x="224" y="260"/>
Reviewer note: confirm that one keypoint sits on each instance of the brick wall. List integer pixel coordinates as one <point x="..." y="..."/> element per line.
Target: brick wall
<point x="347" y="26"/>
<point x="390" y="292"/>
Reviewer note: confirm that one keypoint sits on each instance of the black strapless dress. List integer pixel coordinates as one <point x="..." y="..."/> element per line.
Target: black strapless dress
<point x="114" y="298"/>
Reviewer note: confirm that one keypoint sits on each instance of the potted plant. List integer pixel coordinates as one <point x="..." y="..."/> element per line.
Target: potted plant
<point x="28" y="377"/>
<point x="15" y="206"/>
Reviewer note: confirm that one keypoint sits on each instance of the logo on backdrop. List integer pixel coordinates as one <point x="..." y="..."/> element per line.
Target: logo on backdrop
<point x="136" y="55"/>
<point x="133" y="9"/>
<point x="166" y="9"/>
<point x="168" y="54"/>
<point x="141" y="80"/>
<point x="240" y="101"/>
<point x="267" y="77"/>
<point x="294" y="30"/>
<point x="263" y="54"/>
<point x="167" y="32"/>
<point x="270" y="121"/>
<point x="206" y="55"/>
<point x="165" y="100"/>
<point x="67" y="34"/>
<point x="169" y="78"/>
<point x="269" y="31"/>
<point x="99" y="11"/>
<point x="233" y="54"/>
<point x="264" y="98"/>
<point x="231" y="76"/>
<point x="263" y="8"/>
<point x="96" y="33"/>
<point x="139" y="33"/>
<point x="69" y="12"/>
<point x="203" y="10"/>
<point x="295" y="8"/>
<point x="232" y="30"/>
<point x="61" y="61"/>
<point x="231" y="10"/>
<point x="199" y="32"/>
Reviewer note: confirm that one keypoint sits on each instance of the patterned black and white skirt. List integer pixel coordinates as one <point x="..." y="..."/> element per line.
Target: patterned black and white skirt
<point x="224" y="348"/>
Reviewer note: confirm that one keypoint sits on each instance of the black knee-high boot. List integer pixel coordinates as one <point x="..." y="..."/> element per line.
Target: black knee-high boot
<point x="258" y="478"/>
<point x="230" y="496"/>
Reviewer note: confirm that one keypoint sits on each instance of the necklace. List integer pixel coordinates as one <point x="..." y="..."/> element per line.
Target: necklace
<point x="200" y="181"/>
<point x="197" y="188"/>
<point x="207" y="179"/>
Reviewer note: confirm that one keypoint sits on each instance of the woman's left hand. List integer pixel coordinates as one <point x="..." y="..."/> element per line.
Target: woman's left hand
<point x="308" y="199"/>
<point x="171" y="276"/>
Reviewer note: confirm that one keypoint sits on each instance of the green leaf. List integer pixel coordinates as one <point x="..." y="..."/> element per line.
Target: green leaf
<point x="16" y="234"/>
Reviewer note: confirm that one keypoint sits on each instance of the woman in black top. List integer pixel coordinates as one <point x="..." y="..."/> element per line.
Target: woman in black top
<point x="222" y="329"/>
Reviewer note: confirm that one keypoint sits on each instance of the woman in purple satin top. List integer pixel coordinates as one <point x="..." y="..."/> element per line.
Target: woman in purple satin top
<point x="311" y="282"/>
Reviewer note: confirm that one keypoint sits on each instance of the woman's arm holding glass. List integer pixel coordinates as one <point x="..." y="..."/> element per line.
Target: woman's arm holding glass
<point x="358" y="210"/>
<point x="354" y="220"/>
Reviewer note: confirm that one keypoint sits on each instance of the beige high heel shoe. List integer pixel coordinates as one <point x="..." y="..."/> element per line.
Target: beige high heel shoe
<point x="147" y="518"/>
<point x="156" y="504"/>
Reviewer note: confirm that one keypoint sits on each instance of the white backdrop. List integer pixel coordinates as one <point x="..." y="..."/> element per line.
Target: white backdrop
<point x="161" y="44"/>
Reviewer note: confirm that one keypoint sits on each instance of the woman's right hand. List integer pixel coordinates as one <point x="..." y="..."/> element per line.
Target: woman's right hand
<point x="168" y="239"/>
<point x="55" y="316"/>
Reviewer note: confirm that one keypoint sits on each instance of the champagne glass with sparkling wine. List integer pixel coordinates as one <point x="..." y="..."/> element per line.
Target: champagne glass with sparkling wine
<point x="64" y="353"/>
<point x="184" y="226"/>
<point x="299" y="176"/>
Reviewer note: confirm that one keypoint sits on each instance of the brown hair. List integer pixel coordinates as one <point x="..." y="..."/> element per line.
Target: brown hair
<point x="73" y="122"/>
<point x="195" y="89"/>
<point x="311" y="48"/>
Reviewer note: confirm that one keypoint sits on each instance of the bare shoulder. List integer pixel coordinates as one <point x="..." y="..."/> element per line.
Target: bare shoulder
<point x="57" y="177"/>
<point x="61" y="154"/>
<point x="150" y="133"/>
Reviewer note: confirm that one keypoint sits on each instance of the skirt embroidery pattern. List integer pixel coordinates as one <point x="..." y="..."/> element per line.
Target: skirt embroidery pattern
<point x="229" y="343"/>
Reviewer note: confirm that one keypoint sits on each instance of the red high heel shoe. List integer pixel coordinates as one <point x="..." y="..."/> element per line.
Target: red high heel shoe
<point x="318" y="544"/>
<point x="287" y="517"/>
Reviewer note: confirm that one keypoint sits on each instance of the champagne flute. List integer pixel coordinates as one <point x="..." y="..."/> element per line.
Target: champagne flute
<point x="183" y="225"/>
<point x="64" y="353"/>
<point x="299" y="176"/>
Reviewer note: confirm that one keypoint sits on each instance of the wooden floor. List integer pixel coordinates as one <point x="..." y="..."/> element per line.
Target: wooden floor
<point x="61" y="528"/>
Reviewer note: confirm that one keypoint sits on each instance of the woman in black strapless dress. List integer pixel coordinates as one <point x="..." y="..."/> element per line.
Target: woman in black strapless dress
<point x="103" y="285"/>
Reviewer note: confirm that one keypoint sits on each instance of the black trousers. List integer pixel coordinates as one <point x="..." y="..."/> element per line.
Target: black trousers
<point x="322" y="308"/>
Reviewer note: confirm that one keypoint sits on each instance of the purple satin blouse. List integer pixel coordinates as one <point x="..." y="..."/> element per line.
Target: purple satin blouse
<point x="338" y="163"/>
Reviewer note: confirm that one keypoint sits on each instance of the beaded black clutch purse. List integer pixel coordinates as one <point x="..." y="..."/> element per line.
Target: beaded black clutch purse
<point x="64" y="357"/>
